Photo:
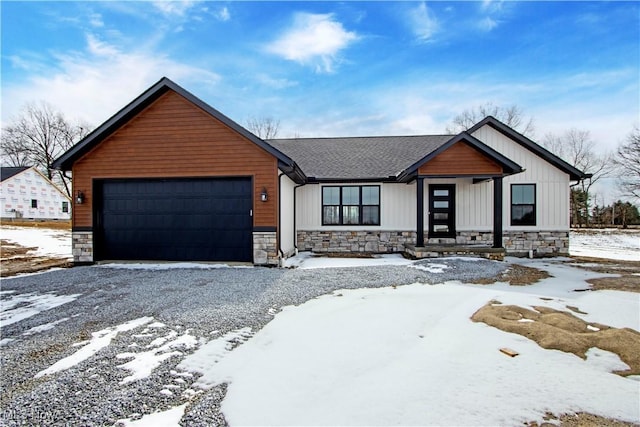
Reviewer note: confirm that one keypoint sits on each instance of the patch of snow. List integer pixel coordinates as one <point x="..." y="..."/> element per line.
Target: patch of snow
<point x="605" y="361"/>
<point x="211" y="353"/>
<point x="375" y="356"/>
<point x="170" y="417"/>
<point x="592" y="328"/>
<point x="99" y="340"/>
<point x="169" y="266"/>
<point x="606" y="243"/>
<point x="308" y="260"/>
<point x="45" y="327"/>
<point x="5" y="341"/>
<point x="48" y="242"/>
<point x="431" y="267"/>
<point x="18" y="307"/>
<point x="143" y="363"/>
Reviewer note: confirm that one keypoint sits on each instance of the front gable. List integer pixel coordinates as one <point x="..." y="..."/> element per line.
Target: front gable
<point x="461" y="159"/>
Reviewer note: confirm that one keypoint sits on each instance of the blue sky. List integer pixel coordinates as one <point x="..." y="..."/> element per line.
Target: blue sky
<point x="334" y="68"/>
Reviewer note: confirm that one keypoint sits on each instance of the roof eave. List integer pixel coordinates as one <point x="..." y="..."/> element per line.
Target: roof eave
<point x="66" y="160"/>
<point x="574" y="173"/>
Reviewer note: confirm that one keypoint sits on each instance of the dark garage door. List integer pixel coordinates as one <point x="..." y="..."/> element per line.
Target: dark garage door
<point x="174" y="220"/>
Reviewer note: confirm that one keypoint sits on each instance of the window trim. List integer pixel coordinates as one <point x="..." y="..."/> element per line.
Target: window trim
<point x="534" y="221"/>
<point x="341" y="206"/>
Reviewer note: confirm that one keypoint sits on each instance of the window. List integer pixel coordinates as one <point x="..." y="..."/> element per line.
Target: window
<point x="351" y="205"/>
<point x="34" y="204"/>
<point x="65" y="207"/>
<point x="523" y="204"/>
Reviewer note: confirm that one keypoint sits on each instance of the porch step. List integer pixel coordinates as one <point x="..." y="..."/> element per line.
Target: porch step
<point x="446" y="250"/>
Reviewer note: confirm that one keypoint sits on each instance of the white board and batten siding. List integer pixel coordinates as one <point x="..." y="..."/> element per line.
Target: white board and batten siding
<point x="30" y="195"/>
<point x="552" y="184"/>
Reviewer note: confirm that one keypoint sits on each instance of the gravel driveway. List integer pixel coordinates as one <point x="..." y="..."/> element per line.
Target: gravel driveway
<point x="204" y="303"/>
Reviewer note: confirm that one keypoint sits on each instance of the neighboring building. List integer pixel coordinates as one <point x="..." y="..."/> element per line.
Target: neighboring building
<point x="171" y="178"/>
<point x="26" y="193"/>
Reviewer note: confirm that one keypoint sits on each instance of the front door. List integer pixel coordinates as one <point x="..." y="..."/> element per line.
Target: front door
<point x="442" y="217"/>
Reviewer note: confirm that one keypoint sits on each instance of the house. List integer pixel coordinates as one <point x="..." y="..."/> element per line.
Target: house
<point x="26" y="193"/>
<point x="168" y="177"/>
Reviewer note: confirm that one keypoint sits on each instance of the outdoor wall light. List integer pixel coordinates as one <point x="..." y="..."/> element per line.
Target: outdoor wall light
<point x="264" y="196"/>
<point x="80" y="198"/>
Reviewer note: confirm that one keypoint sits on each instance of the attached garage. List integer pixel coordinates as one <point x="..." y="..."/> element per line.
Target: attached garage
<point x="207" y="219"/>
<point x="170" y="178"/>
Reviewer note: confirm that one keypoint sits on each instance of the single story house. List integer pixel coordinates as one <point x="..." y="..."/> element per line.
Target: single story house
<point x="168" y="177"/>
<point x="26" y="193"/>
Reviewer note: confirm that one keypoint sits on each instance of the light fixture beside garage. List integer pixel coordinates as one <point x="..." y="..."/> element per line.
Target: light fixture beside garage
<point x="263" y="195"/>
<point x="79" y="197"/>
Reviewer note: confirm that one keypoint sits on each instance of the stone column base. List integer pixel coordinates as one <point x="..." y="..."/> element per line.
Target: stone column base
<point x="82" y="246"/>
<point x="265" y="248"/>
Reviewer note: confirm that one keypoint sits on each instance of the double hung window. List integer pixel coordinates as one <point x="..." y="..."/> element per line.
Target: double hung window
<point x="523" y="204"/>
<point x="351" y="205"/>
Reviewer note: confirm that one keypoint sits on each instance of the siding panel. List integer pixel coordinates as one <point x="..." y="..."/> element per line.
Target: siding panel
<point x="460" y="159"/>
<point x="174" y="138"/>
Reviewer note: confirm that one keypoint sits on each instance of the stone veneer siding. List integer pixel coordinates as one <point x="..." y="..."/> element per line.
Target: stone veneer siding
<point x="82" y="246"/>
<point x="374" y="241"/>
<point x="265" y="248"/>
<point x="518" y="243"/>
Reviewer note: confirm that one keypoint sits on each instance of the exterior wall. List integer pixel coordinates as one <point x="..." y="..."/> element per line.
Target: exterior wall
<point x="397" y="208"/>
<point x="173" y="138"/>
<point x="287" y="235"/>
<point x="552" y="185"/>
<point x="516" y="243"/>
<point x="265" y="248"/>
<point x="17" y="192"/>
<point x="336" y="241"/>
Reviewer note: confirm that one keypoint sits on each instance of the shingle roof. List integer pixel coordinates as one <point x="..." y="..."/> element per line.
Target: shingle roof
<point x="358" y="157"/>
<point x="6" y="173"/>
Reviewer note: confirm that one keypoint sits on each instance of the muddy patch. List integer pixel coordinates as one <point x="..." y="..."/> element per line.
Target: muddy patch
<point x="561" y="330"/>
<point x="516" y="275"/>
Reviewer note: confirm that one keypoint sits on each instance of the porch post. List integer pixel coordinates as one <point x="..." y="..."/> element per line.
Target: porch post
<point x="420" y="212"/>
<point x="497" y="212"/>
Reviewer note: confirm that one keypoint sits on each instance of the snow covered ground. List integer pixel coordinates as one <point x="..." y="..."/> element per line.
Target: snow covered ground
<point x="49" y="242"/>
<point x="606" y="243"/>
<point x="406" y="355"/>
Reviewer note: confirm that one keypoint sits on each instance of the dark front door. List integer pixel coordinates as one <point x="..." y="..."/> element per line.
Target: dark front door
<point x="174" y="219"/>
<point x="442" y="218"/>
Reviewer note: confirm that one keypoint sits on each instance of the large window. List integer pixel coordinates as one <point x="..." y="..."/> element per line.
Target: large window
<point x="351" y="205"/>
<point x="523" y="204"/>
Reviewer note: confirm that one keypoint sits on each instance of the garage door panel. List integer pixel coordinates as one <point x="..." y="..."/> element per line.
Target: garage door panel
<point x="178" y="219"/>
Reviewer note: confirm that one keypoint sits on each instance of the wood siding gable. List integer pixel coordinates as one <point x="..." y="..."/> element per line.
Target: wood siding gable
<point x="460" y="160"/>
<point x="173" y="138"/>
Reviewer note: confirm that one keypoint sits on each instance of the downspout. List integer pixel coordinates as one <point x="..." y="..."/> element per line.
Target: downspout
<point x="280" y="217"/>
<point x="295" y="228"/>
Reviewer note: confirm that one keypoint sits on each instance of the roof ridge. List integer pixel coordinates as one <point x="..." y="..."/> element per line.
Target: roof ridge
<point x="361" y="137"/>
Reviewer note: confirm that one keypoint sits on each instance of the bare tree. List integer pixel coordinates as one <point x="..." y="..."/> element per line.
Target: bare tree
<point x="511" y="116"/>
<point x="264" y="127"/>
<point x="37" y="137"/>
<point x="577" y="148"/>
<point x="627" y="159"/>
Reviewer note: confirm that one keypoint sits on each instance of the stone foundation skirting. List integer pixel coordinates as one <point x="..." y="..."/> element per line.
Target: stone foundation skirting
<point x="265" y="249"/>
<point x="82" y="246"/>
<point x="374" y="241"/>
<point x="538" y="243"/>
<point x="516" y="243"/>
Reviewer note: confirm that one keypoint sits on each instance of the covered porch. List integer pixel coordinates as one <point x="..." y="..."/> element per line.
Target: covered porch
<point x="466" y="158"/>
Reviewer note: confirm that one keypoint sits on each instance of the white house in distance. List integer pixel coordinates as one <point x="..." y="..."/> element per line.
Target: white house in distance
<point x="26" y="193"/>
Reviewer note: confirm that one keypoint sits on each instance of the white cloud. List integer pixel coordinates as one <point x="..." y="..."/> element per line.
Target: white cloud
<point x="223" y="14"/>
<point x="178" y="8"/>
<point x="95" y="83"/>
<point x="313" y="39"/>
<point x="487" y="24"/>
<point x="95" y="19"/>
<point x="423" y="22"/>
